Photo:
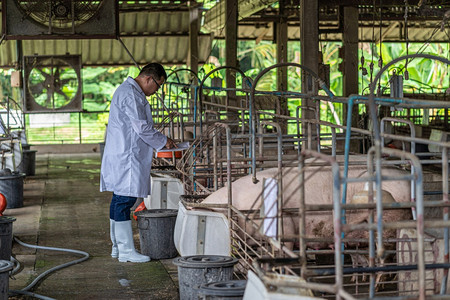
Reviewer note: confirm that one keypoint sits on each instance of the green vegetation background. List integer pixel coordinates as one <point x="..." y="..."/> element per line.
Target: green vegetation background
<point x="99" y="84"/>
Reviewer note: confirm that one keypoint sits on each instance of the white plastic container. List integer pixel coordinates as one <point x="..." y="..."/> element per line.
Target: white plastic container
<point x="256" y="289"/>
<point x="166" y="192"/>
<point x="438" y="136"/>
<point x="12" y="156"/>
<point x="201" y="232"/>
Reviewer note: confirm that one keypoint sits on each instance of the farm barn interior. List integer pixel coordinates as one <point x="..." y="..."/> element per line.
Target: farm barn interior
<point x="312" y="157"/>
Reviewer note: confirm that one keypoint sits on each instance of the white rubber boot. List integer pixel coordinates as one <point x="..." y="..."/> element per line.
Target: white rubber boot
<point x="125" y="243"/>
<point x="115" y="250"/>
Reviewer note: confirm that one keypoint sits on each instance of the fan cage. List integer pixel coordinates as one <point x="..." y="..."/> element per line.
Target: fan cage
<point x="60" y="14"/>
<point x="55" y="83"/>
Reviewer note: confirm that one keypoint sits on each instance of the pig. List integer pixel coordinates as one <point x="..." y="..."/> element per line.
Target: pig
<point x="318" y="190"/>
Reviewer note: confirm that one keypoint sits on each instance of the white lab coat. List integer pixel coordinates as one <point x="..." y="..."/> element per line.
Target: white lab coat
<point x="130" y="140"/>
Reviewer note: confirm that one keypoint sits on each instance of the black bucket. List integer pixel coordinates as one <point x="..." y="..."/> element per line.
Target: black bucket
<point x="5" y="267"/>
<point x="6" y="237"/>
<point x="156" y="229"/>
<point x="28" y="165"/>
<point x="195" y="270"/>
<point x="226" y="290"/>
<point x="11" y="186"/>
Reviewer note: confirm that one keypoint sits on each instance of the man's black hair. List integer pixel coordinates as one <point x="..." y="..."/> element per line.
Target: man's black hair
<point x="154" y="69"/>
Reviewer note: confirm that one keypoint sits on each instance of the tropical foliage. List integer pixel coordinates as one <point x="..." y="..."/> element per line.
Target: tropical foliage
<point x="420" y="75"/>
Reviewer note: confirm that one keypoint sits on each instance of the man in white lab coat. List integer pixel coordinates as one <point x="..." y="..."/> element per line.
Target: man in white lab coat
<point x="127" y="157"/>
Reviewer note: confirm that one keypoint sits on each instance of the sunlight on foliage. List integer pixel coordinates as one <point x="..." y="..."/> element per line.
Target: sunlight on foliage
<point x="99" y="84"/>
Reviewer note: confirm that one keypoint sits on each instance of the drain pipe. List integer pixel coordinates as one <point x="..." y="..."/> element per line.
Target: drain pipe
<point x="25" y="290"/>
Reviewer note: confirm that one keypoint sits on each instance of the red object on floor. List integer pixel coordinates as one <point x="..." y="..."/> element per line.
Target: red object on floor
<point x="2" y="204"/>
<point x="139" y="208"/>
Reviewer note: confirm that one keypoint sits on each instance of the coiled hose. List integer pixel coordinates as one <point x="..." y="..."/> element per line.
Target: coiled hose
<point x="25" y="290"/>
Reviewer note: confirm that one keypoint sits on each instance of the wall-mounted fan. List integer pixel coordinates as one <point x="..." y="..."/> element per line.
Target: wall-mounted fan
<point x="52" y="83"/>
<point x="59" y="19"/>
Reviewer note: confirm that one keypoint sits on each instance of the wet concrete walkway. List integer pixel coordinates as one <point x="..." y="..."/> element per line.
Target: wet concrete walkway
<point x="64" y="208"/>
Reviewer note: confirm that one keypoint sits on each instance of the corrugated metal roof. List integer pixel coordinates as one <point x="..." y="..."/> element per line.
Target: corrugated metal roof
<point x="215" y="18"/>
<point x="428" y="23"/>
<point x="149" y="36"/>
<point x="164" y="37"/>
<point x="392" y="32"/>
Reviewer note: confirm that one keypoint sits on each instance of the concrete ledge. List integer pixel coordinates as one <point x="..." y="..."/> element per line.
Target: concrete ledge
<point x="67" y="148"/>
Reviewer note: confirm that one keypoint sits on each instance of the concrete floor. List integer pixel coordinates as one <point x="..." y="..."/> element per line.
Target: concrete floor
<point x="64" y="208"/>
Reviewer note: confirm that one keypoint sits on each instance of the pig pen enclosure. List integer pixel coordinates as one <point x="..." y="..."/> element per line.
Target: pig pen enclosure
<point x="293" y="220"/>
<point x="301" y="206"/>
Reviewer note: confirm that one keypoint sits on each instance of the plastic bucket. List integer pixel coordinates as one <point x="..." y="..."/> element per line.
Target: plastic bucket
<point x="6" y="237"/>
<point x="11" y="186"/>
<point x="156" y="228"/>
<point x="226" y="290"/>
<point x="28" y="165"/>
<point x="5" y="267"/>
<point x="195" y="270"/>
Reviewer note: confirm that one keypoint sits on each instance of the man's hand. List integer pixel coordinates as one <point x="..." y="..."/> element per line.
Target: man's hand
<point x="170" y="144"/>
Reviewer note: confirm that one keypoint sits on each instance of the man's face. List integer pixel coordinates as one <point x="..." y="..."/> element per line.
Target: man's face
<point x="152" y="85"/>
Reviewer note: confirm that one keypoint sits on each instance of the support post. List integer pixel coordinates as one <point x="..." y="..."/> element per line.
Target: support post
<point x="231" y="12"/>
<point x="193" y="48"/>
<point x="282" y="78"/>
<point x="309" y="38"/>
<point x="350" y="61"/>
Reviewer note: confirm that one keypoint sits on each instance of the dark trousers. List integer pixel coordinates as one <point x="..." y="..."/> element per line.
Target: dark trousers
<point x="120" y="207"/>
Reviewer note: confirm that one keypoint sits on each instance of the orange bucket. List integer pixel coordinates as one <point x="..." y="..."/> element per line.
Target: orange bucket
<point x="176" y="154"/>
